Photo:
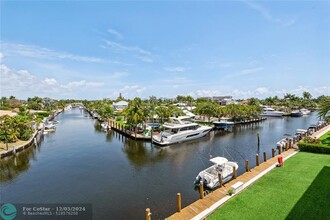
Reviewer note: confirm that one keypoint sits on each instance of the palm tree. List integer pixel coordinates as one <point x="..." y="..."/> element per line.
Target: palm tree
<point x="307" y="95"/>
<point x="162" y="112"/>
<point x="190" y="100"/>
<point x="324" y="111"/>
<point x="135" y="113"/>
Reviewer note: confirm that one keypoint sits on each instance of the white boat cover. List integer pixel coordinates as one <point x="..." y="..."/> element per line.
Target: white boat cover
<point x="219" y="160"/>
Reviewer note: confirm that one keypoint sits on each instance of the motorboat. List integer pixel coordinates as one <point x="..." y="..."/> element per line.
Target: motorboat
<point x="296" y="113"/>
<point x="224" y="124"/>
<point x="270" y="112"/>
<point x="105" y="126"/>
<point x="180" y="129"/>
<point x="282" y="143"/>
<point x="305" y="111"/>
<point x="210" y="176"/>
<point x="50" y="126"/>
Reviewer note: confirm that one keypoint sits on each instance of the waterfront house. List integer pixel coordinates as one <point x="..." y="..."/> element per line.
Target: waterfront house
<point x="119" y="106"/>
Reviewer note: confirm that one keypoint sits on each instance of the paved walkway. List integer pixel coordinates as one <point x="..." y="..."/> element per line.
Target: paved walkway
<point x="203" y="207"/>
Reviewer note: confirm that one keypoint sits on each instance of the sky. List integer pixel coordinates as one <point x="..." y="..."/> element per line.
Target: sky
<point x="98" y="49"/>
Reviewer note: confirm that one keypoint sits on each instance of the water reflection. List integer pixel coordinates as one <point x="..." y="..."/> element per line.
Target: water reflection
<point x="11" y="167"/>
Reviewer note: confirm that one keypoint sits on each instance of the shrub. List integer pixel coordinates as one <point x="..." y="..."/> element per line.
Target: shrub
<point x="311" y="140"/>
<point x="314" y="148"/>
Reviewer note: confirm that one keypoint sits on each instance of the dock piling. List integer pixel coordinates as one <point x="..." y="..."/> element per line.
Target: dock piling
<point x="257" y="159"/>
<point x="178" y="200"/>
<point x="148" y="214"/>
<point x="273" y="152"/>
<point x="279" y="149"/>
<point x="220" y="180"/>
<point x="247" y="166"/>
<point x="235" y="172"/>
<point x="201" y="190"/>
<point x="265" y="157"/>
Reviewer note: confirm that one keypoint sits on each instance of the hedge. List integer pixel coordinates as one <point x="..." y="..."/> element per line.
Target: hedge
<point x="314" y="148"/>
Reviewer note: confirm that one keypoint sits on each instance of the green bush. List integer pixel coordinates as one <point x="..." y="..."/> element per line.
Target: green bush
<point x="42" y="114"/>
<point x="314" y="148"/>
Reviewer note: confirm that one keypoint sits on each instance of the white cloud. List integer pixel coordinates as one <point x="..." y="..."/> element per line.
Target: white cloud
<point x="130" y="91"/>
<point x="315" y="91"/>
<point x="50" y="81"/>
<point x="75" y="84"/>
<point x="32" y="51"/>
<point x="216" y="64"/>
<point x="22" y="83"/>
<point x="115" y="33"/>
<point x="177" y="69"/>
<point x="94" y="84"/>
<point x="206" y="93"/>
<point x="1" y="56"/>
<point x="142" y="54"/>
<point x="266" y="14"/>
<point x="261" y="90"/>
<point x="25" y="74"/>
<point x="246" y="72"/>
<point x="323" y="90"/>
<point x="178" y="81"/>
<point x="249" y="71"/>
<point x="117" y="75"/>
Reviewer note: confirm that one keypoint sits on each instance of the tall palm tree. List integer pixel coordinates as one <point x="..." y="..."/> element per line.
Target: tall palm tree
<point x="324" y="111"/>
<point x="162" y="112"/>
<point x="135" y="113"/>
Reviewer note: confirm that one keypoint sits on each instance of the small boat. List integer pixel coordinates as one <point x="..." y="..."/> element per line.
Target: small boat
<point x="305" y="111"/>
<point x="296" y="113"/>
<point x="281" y="143"/>
<point x="210" y="176"/>
<point x="224" y="124"/>
<point x="50" y="126"/>
<point x="105" y="126"/>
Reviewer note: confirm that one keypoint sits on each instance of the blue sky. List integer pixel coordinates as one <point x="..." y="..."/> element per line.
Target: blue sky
<point x="98" y="49"/>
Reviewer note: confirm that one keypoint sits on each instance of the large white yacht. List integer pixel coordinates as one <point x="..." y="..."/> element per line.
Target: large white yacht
<point x="270" y="112"/>
<point x="180" y="129"/>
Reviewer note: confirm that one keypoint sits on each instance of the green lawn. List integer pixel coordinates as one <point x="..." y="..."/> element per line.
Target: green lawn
<point x="325" y="139"/>
<point x="299" y="190"/>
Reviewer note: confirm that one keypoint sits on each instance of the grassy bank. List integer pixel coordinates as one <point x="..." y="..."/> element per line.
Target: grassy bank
<point x="299" y="190"/>
<point x="325" y="139"/>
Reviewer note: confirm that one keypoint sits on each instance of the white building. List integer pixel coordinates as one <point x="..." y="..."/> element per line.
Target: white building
<point x="119" y="106"/>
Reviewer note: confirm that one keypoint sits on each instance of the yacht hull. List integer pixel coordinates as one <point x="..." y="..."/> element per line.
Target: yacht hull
<point x="180" y="137"/>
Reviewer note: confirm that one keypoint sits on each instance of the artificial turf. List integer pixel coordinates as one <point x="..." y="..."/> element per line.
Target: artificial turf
<point x="325" y="139"/>
<point x="298" y="190"/>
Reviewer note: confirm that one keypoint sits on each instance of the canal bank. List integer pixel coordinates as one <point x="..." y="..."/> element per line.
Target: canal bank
<point x="34" y="140"/>
<point x="115" y="173"/>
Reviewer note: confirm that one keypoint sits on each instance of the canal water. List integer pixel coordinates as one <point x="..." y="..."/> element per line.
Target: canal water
<point x="120" y="177"/>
